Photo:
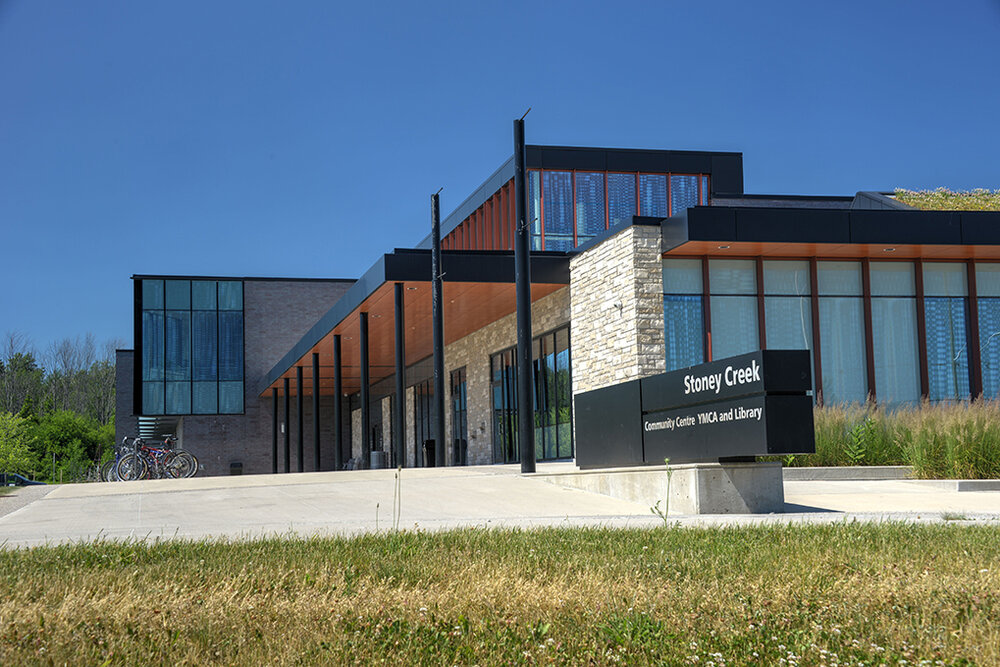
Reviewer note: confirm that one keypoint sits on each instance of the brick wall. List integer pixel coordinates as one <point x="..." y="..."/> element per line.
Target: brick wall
<point x="617" y="310"/>
<point x="126" y="423"/>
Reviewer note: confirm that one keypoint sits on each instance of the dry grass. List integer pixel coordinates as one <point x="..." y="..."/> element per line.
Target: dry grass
<point x="876" y="594"/>
<point x="956" y="441"/>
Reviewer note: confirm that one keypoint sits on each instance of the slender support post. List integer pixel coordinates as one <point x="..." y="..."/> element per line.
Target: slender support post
<point x="316" y="411"/>
<point x="437" y="316"/>
<point x="274" y="430"/>
<point x="399" y="413"/>
<point x="300" y="413"/>
<point x="338" y="399"/>
<point x="288" y="429"/>
<point x="522" y="286"/>
<point x="366" y="417"/>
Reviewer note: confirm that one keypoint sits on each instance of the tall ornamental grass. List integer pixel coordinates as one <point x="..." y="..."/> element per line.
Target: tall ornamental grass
<point x="955" y="441"/>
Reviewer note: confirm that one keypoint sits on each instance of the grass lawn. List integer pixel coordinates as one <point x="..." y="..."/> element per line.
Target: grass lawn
<point x="807" y="595"/>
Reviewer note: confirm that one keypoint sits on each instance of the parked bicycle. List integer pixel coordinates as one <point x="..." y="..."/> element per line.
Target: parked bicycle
<point x="148" y="462"/>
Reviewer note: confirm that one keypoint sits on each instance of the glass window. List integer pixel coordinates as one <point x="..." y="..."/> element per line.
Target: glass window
<point x="839" y="278"/>
<point x="683" y="193"/>
<point x="204" y="345"/>
<point x="989" y="344"/>
<point x="205" y="398"/>
<point x="987" y="279"/>
<point x="705" y="192"/>
<point x="732" y="276"/>
<point x="230" y="397"/>
<point x="786" y="277"/>
<point x="230" y="346"/>
<point x="653" y="195"/>
<point x="947" y="348"/>
<point x="734" y="326"/>
<point x="557" y="204"/>
<point x="683" y="327"/>
<point x="682" y="276"/>
<point x="178" y="346"/>
<point x="621" y="198"/>
<point x="203" y="295"/>
<point x="945" y="279"/>
<point x="152" y="294"/>
<point x="152" y="398"/>
<point x="894" y="329"/>
<point x="178" y="398"/>
<point x="535" y="209"/>
<point x="191" y="339"/>
<point x="892" y="279"/>
<point x="152" y="345"/>
<point x="788" y="322"/>
<point x="589" y="205"/>
<point x="230" y="295"/>
<point x="178" y="295"/>
<point x="842" y="334"/>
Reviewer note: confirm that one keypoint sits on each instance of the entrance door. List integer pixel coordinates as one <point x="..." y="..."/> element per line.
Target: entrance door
<point x="459" y="418"/>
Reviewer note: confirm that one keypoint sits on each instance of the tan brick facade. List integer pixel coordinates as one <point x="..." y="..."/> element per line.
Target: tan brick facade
<point x="617" y="310"/>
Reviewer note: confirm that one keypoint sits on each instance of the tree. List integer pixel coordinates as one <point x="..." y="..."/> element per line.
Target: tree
<point x="15" y="444"/>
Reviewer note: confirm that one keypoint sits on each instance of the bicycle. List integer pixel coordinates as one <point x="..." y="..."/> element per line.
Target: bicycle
<point x="148" y="462"/>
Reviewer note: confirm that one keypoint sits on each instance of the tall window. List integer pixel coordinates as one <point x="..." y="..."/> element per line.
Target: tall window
<point x="842" y="332"/>
<point x="733" y="286"/>
<point x="894" y="330"/>
<point x="552" y="399"/>
<point x="621" y="198"/>
<point x="788" y="306"/>
<point x="192" y="347"/>
<point x="683" y="316"/>
<point x="459" y="417"/>
<point x="988" y="293"/>
<point x="945" y="309"/>
<point x="589" y="206"/>
<point x="424" y="414"/>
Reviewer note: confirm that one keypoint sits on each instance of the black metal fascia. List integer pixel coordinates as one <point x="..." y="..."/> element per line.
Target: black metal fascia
<point x="836" y="226"/>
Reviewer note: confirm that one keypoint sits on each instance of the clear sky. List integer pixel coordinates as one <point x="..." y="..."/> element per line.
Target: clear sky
<point x="305" y="138"/>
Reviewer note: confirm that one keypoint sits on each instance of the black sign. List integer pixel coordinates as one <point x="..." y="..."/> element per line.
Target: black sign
<point x="751" y="405"/>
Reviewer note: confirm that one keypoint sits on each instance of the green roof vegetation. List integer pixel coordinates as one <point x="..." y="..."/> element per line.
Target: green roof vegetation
<point x="944" y="199"/>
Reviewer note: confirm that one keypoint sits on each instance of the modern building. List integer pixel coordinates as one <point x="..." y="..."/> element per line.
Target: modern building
<point x="642" y="261"/>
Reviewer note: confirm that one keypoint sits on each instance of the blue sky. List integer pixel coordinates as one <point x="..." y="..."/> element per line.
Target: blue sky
<point x="305" y="138"/>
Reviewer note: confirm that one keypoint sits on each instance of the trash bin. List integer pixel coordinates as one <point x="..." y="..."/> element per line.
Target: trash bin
<point x="379" y="460"/>
<point x="428" y="453"/>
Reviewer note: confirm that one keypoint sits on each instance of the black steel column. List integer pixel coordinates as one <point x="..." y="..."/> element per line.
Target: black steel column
<point x="338" y="398"/>
<point x="288" y="429"/>
<point x="316" y="411"/>
<point x="299" y="413"/>
<point x="522" y="282"/>
<point x="274" y="431"/>
<point x="366" y="417"/>
<point x="437" y="318"/>
<point x="399" y="413"/>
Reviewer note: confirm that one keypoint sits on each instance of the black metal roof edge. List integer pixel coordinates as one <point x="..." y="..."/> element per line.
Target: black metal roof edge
<point x="787" y="197"/>
<point x="868" y="200"/>
<point x="650" y="151"/>
<point x="155" y="276"/>
<point x="413" y="265"/>
<point x="836" y="226"/>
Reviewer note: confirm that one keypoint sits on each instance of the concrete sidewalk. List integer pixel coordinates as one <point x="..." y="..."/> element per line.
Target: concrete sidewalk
<point x="352" y="502"/>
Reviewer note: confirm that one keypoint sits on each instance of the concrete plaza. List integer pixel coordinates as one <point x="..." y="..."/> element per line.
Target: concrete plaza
<point x="353" y="502"/>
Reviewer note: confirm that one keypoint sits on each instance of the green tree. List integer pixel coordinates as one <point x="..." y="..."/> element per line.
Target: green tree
<point x="15" y="444"/>
<point x="67" y="443"/>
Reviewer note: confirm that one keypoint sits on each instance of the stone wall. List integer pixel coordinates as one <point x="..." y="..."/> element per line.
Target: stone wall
<point x="617" y="310"/>
<point x="473" y="352"/>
